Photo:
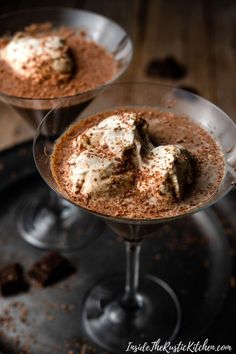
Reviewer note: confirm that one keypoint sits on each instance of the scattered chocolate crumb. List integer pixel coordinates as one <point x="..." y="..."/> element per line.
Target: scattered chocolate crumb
<point x="87" y="349"/>
<point x="11" y="315"/>
<point x="24" y="315"/>
<point x="50" y="269"/>
<point x="67" y="307"/>
<point x="167" y="67"/>
<point x="6" y="321"/>
<point x="82" y="346"/>
<point x="12" y="280"/>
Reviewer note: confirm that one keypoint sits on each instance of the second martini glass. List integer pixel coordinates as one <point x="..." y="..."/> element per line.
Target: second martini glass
<point x="47" y="221"/>
<point x="117" y="311"/>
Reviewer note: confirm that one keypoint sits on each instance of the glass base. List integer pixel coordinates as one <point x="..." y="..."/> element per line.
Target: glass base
<point x="57" y="226"/>
<point x="109" y="324"/>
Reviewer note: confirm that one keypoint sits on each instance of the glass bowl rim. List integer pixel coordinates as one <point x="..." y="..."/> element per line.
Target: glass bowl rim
<point x="143" y="221"/>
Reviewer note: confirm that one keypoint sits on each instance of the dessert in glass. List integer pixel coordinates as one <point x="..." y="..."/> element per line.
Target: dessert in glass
<point x="47" y="54"/>
<point x="139" y="155"/>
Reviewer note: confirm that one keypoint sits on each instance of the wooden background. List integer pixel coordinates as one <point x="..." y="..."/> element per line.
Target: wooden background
<point x="201" y="34"/>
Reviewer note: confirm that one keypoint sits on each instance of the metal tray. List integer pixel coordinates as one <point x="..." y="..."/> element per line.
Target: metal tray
<point x="195" y="255"/>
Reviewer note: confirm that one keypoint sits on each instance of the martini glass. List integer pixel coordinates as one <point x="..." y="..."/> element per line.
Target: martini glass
<point x="119" y="310"/>
<point x="47" y="221"/>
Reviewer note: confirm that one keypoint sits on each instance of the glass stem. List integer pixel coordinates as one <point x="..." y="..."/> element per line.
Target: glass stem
<point x="131" y="298"/>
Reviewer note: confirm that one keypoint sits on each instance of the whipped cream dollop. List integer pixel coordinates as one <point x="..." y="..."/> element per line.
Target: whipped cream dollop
<point x="117" y="153"/>
<point x="168" y="169"/>
<point x="32" y="57"/>
<point x="105" y="155"/>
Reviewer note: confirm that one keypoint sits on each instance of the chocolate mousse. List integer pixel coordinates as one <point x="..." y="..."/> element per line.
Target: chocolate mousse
<point x="138" y="164"/>
<point x="46" y="62"/>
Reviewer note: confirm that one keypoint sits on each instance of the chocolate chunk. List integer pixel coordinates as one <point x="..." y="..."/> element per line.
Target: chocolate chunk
<point x="12" y="280"/>
<point x="51" y="269"/>
<point x="168" y="67"/>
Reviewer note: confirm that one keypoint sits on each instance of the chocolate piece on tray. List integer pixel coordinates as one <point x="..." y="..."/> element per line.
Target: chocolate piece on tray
<point x="50" y="269"/>
<point x="12" y="280"/>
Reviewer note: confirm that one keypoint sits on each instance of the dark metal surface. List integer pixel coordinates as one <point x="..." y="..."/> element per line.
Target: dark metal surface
<point x="192" y="255"/>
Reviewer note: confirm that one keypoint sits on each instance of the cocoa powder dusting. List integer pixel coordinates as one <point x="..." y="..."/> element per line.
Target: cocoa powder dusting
<point x="164" y="128"/>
